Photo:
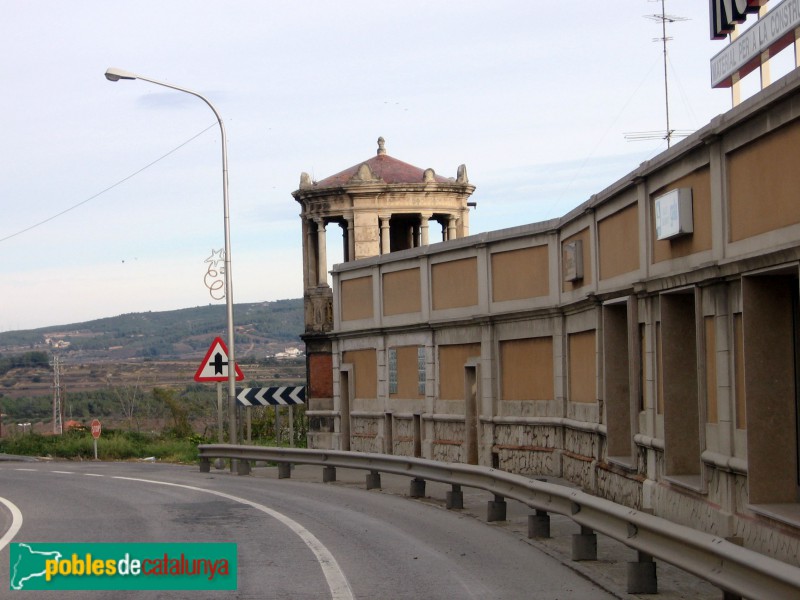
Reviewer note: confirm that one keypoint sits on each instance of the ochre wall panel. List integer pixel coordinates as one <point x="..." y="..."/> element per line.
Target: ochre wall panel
<point x="401" y="292"/>
<point x="763" y="180"/>
<point x="527" y="369"/>
<point x="455" y="283"/>
<point x="519" y="274"/>
<point x="357" y="298"/>
<point x="618" y="237"/>
<point x="582" y="367"/>
<point x="452" y="359"/>
<point x="365" y="371"/>
<point x="700" y="240"/>
<point x="768" y="315"/>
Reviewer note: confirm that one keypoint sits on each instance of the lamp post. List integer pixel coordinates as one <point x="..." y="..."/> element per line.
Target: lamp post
<point x="113" y="74"/>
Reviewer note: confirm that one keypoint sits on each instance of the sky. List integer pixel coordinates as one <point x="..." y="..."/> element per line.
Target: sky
<point x="111" y="193"/>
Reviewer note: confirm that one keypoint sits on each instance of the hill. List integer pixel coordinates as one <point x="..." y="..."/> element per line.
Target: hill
<point x="261" y="329"/>
<point x="110" y="366"/>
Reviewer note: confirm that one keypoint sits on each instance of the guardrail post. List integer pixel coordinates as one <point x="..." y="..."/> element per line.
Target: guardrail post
<point x="584" y="544"/>
<point x="243" y="467"/>
<point x="328" y="474"/>
<point x="642" y="575"/>
<point x="454" y="498"/>
<point x="539" y="524"/>
<point x="726" y="595"/>
<point x="205" y="465"/>
<point x="417" y="488"/>
<point x="284" y="470"/>
<point x="496" y="510"/>
<point x="373" y="480"/>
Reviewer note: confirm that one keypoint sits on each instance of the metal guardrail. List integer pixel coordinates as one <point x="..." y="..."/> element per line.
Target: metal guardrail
<point x="728" y="566"/>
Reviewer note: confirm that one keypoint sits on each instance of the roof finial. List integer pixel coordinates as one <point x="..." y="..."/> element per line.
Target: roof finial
<point x="381" y="146"/>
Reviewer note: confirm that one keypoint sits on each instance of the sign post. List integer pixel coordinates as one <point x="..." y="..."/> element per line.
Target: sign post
<point x="273" y="396"/>
<point x="96" y="429"/>
<point x="214" y="367"/>
<point x="220" y="439"/>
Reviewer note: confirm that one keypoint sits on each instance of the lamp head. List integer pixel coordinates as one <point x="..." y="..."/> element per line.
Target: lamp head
<point x="114" y="74"/>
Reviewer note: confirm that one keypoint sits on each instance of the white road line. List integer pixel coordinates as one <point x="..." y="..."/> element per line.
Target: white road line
<point x="94" y="475"/>
<point x="337" y="582"/>
<point x="64" y="472"/>
<point x="16" y="522"/>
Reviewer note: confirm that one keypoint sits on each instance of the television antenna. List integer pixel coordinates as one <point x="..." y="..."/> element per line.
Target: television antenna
<point x="668" y="133"/>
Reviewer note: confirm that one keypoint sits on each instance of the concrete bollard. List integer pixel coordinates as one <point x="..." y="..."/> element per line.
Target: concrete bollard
<point x="642" y="575"/>
<point x="539" y="524"/>
<point x="417" y="489"/>
<point x="584" y="545"/>
<point x="284" y="470"/>
<point x="454" y="499"/>
<point x="205" y="465"/>
<point x="328" y="474"/>
<point x="496" y="510"/>
<point x="243" y="467"/>
<point x="373" y="480"/>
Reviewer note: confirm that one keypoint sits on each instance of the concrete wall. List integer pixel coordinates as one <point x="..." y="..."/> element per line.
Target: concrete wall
<point x="658" y="373"/>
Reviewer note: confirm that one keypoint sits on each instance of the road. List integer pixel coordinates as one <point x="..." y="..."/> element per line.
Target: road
<point x="295" y="539"/>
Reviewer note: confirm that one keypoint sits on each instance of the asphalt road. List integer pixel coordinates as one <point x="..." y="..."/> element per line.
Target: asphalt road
<point x="295" y="539"/>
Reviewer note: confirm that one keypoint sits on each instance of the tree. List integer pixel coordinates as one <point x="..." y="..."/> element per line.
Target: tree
<point x="128" y="398"/>
<point x="181" y="428"/>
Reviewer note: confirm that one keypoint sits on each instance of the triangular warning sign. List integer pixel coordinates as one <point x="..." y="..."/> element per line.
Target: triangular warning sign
<point x="215" y="364"/>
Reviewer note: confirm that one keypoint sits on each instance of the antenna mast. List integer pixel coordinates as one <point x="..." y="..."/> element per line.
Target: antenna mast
<point x="58" y="427"/>
<point x="663" y="18"/>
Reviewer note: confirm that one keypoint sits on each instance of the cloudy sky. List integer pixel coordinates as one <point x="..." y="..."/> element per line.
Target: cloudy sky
<point x="111" y="193"/>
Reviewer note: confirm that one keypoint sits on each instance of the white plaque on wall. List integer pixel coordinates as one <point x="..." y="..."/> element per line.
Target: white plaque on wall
<point x="673" y="214"/>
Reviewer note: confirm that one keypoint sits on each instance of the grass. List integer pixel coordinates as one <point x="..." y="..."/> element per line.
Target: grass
<point x="112" y="445"/>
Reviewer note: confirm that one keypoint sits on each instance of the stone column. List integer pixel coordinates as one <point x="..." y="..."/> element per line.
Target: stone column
<point x="451" y="227"/>
<point x="322" y="256"/>
<point x="345" y="242"/>
<point x="351" y="239"/>
<point x="384" y="235"/>
<point x="423" y="226"/>
<point x="310" y="255"/>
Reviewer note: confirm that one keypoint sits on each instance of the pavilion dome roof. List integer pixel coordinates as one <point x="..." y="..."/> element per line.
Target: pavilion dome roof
<point x="382" y="168"/>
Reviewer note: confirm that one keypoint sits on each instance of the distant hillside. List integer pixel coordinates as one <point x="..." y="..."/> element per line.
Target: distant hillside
<point x="261" y="329"/>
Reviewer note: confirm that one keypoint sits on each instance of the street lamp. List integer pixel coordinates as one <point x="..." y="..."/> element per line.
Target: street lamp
<point x="113" y="74"/>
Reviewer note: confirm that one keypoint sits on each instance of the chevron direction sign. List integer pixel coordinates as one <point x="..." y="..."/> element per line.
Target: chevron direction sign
<point x="275" y="396"/>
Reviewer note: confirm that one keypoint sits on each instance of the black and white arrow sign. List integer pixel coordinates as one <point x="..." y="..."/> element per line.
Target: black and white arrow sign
<point x="267" y="396"/>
